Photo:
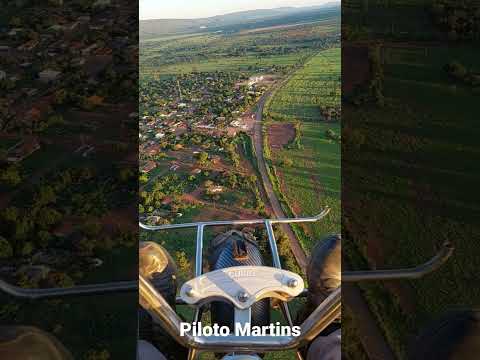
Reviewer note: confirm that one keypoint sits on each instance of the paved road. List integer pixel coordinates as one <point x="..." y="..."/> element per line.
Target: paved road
<point x="270" y="193"/>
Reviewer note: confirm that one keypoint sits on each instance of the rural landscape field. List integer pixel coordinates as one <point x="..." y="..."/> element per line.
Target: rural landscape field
<point x="240" y="119"/>
<point x="410" y="140"/>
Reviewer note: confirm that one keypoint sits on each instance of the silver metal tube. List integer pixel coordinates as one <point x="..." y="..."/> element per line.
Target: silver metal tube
<point x="156" y="305"/>
<point x="277" y="263"/>
<point x="199" y="251"/>
<point x="242" y="317"/>
<point x="273" y="244"/>
<point x="198" y="262"/>
<point x="233" y="222"/>
<point x="409" y="273"/>
<point x="96" y="289"/>
<point x="243" y="343"/>
<point x="327" y="312"/>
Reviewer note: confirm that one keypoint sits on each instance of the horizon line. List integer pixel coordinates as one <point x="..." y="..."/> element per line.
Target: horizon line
<point x="333" y="2"/>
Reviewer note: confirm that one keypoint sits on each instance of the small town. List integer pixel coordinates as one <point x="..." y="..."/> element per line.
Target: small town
<point x="192" y="128"/>
<point x="68" y="112"/>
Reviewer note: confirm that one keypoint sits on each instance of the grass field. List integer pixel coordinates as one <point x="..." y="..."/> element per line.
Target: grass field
<point x="243" y="64"/>
<point x="415" y="198"/>
<point x="317" y="84"/>
<point x="267" y="48"/>
<point x="312" y="180"/>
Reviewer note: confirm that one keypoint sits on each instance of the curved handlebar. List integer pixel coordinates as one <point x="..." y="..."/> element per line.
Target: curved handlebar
<point x="96" y="289"/>
<point x="409" y="273"/>
<point x="235" y="222"/>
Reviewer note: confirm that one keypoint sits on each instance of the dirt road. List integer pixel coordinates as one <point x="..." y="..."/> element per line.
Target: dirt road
<point x="267" y="184"/>
<point x="372" y="339"/>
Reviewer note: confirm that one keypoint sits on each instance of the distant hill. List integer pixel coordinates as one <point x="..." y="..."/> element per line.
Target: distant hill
<point x="233" y="22"/>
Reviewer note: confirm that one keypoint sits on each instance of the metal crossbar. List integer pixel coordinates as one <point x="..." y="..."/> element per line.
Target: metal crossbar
<point x="268" y="223"/>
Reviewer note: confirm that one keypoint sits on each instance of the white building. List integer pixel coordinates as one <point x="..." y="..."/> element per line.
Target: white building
<point x="49" y="75"/>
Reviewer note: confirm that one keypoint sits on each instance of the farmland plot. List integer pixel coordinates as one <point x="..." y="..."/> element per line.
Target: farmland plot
<point x="308" y="172"/>
<point x="317" y="85"/>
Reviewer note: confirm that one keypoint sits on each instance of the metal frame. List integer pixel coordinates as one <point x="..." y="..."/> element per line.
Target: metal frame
<point x="438" y="260"/>
<point x="268" y="223"/>
<point x="240" y="316"/>
<point x="324" y="314"/>
<point x="156" y="305"/>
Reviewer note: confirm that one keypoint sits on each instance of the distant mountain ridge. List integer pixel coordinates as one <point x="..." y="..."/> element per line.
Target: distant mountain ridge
<point x="237" y="20"/>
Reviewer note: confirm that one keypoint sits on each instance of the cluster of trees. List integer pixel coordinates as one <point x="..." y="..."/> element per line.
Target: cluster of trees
<point x="71" y="192"/>
<point x="332" y="135"/>
<point x="296" y="143"/>
<point x="462" y="74"/>
<point x="167" y="186"/>
<point x="331" y="113"/>
<point x="236" y="181"/>
<point x="158" y="95"/>
<point x="373" y="91"/>
<point x="10" y="175"/>
<point x="460" y="19"/>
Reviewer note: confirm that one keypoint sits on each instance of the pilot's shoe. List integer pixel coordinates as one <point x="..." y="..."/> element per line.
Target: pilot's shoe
<point x="455" y="336"/>
<point x="26" y="343"/>
<point x="326" y="347"/>
<point x="157" y="266"/>
<point x="324" y="270"/>
<point x="147" y="351"/>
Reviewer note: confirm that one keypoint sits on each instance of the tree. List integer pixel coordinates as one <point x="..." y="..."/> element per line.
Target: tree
<point x="183" y="264"/>
<point x="43" y="238"/>
<point x="11" y="176"/>
<point x="60" y="96"/>
<point x="92" y="228"/>
<point x="6" y="250"/>
<point x="28" y="248"/>
<point x="143" y="178"/>
<point x="47" y="217"/>
<point x="456" y="70"/>
<point x="202" y="158"/>
<point x="287" y="162"/>
<point x="46" y="195"/>
<point x="125" y="174"/>
<point x="208" y="184"/>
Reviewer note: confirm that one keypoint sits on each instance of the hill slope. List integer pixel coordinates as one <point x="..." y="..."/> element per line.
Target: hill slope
<point x="237" y="21"/>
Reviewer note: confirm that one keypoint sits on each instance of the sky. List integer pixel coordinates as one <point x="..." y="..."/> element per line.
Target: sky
<point x="191" y="9"/>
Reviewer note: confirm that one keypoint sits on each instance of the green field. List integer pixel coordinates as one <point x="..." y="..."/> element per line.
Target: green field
<point x="245" y="64"/>
<point x="312" y="180"/>
<point x="317" y="84"/>
<point x="421" y="145"/>
<point x="267" y="51"/>
<point x="262" y="50"/>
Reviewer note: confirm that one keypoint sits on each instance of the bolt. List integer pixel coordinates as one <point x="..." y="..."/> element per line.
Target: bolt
<point x="189" y="292"/>
<point x="292" y="283"/>
<point x="242" y="296"/>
